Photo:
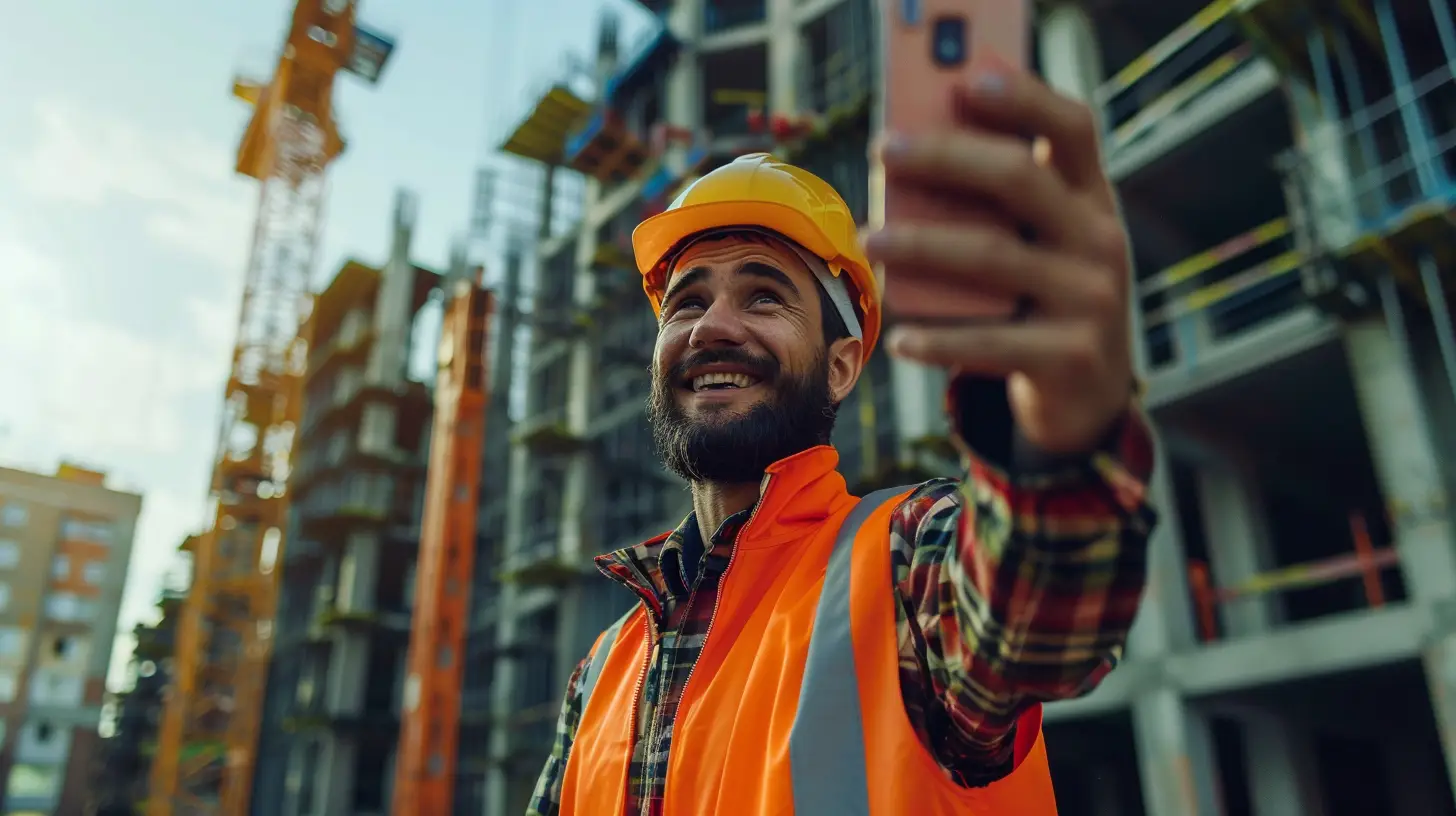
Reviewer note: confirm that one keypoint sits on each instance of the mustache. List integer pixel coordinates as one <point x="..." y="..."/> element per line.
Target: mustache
<point x="763" y="368"/>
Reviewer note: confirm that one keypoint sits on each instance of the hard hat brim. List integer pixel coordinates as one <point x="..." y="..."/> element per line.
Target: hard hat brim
<point x="655" y="239"/>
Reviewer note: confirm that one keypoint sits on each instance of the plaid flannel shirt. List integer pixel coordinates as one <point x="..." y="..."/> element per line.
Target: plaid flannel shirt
<point x="1045" y="545"/>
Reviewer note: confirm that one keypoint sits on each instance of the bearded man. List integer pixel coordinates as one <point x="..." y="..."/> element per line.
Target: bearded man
<point x="795" y="649"/>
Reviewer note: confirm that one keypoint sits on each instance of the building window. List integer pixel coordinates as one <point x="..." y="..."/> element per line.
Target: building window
<point x="94" y="572"/>
<point x="61" y="567"/>
<point x="14" y="514"/>
<point x="40" y="781"/>
<point x="9" y="554"/>
<point x="12" y="642"/>
<point x="66" y="606"/>
<point x="9" y="685"/>
<point x="95" y="532"/>
<point x="4" y="596"/>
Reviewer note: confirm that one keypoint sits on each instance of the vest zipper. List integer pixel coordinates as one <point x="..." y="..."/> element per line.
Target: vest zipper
<point x="651" y="627"/>
<point x="713" y="616"/>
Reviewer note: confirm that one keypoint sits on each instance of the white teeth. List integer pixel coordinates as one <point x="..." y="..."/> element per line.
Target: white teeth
<point x="733" y="380"/>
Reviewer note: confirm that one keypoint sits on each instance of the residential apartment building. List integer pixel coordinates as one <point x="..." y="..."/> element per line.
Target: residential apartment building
<point x="65" y="547"/>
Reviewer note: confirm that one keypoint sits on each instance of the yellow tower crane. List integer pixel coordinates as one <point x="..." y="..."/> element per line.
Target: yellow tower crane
<point x="207" y="745"/>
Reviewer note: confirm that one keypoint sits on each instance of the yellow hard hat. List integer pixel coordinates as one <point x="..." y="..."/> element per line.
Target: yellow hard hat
<point x="758" y="190"/>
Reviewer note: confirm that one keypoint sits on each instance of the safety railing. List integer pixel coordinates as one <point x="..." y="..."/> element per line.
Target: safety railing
<point x="1219" y="293"/>
<point x="1366" y="562"/>
<point x="1366" y="173"/>
<point x="1194" y="58"/>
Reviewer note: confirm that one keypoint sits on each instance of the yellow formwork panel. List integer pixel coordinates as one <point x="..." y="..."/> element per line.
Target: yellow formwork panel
<point x="541" y="136"/>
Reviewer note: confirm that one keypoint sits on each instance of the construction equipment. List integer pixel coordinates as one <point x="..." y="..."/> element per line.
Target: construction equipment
<point x="429" y="733"/>
<point x="207" y="743"/>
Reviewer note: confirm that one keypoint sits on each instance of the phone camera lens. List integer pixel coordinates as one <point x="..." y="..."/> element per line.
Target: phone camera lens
<point x="948" y="41"/>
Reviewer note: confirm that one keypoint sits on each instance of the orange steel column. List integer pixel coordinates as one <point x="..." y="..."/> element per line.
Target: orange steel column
<point x="429" y="731"/>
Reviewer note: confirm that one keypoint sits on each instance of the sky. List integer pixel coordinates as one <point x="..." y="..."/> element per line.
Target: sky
<point x="124" y="232"/>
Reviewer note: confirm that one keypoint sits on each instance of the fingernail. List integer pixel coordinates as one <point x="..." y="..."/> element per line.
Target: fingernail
<point x="876" y="240"/>
<point x="988" y="83"/>
<point x="895" y="145"/>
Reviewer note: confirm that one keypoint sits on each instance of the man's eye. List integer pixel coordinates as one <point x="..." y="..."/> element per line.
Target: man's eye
<point x="766" y="297"/>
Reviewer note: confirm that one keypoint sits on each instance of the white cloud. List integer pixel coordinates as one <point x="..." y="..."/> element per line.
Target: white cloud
<point x="193" y="200"/>
<point x="87" y="387"/>
<point x="137" y="401"/>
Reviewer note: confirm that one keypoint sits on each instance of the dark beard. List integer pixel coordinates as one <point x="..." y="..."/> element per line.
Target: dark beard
<point x="735" y="448"/>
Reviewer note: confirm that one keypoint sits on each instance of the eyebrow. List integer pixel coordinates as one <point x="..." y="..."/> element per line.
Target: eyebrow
<point x="753" y="268"/>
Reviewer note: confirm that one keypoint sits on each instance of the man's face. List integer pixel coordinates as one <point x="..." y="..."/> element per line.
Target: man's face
<point x="741" y="374"/>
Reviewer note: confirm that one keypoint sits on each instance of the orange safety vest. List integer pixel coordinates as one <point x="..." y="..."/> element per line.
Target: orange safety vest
<point x="794" y="706"/>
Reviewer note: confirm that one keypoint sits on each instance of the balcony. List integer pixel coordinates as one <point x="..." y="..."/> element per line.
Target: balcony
<point x="542" y="135"/>
<point x="1158" y="99"/>
<point x="541" y="563"/>
<point x="606" y="149"/>
<point x="1379" y="187"/>
<point x="547" y="434"/>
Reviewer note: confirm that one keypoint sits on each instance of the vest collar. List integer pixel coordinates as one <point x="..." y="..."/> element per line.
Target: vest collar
<point x="797" y="494"/>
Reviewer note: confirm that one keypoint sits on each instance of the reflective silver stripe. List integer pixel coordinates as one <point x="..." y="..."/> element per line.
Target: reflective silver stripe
<point x="598" y="659"/>
<point x="827" y="745"/>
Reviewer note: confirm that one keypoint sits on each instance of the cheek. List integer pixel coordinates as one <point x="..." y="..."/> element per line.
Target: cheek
<point x="668" y="349"/>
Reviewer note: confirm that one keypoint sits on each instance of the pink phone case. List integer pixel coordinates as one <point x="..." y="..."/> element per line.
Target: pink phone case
<point x="926" y="48"/>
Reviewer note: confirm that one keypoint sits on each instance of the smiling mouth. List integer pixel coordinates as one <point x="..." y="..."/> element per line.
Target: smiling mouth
<point x="721" y="382"/>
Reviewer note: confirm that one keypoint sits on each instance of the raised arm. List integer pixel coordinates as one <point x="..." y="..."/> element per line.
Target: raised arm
<point x="1018" y="584"/>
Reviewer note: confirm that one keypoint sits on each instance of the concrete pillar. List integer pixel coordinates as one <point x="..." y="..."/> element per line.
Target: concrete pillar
<point x="784" y="53"/>
<point x="334" y="785"/>
<point x="920" y="401"/>
<point x="1280" y="760"/>
<point x="1165" y="621"/>
<point x="1071" y="60"/>
<point x="683" y="105"/>
<point x="1174" y="744"/>
<point x="1405" y="457"/>
<point x="1175" y="756"/>
<point x="358" y="573"/>
<point x="1239" y="543"/>
<point x="388" y="358"/>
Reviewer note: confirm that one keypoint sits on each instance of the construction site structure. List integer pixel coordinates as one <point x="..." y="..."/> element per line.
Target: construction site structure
<point x="429" y="729"/>
<point x="330" y="723"/>
<point x="1285" y="168"/>
<point x="207" y="750"/>
<point x="66" y="542"/>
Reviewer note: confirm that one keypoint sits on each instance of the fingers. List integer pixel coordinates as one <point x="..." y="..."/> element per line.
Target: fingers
<point x="1020" y="103"/>
<point x="993" y="260"/>
<point x="1069" y="351"/>
<point x="985" y="166"/>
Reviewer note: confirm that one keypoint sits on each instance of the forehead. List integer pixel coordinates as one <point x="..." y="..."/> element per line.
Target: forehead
<point x="735" y="250"/>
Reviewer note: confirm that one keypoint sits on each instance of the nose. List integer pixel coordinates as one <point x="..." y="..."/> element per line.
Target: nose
<point x="720" y="325"/>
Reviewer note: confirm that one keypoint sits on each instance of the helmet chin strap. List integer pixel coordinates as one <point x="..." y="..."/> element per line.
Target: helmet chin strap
<point x="833" y="285"/>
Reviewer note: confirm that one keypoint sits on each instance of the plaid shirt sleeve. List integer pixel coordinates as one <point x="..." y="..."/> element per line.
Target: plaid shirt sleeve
<point x="546" y="800"/>
<point x="1019" y="583"/>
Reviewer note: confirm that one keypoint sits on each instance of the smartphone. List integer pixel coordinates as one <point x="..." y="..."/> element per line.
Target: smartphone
<point x="926" y="48"/>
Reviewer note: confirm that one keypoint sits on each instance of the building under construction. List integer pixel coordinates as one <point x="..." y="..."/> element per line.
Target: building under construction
<point x="331" y="719"/>
<point x="1286" y="168"/>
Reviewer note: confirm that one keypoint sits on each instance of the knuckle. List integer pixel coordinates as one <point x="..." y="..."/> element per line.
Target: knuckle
<point x="1109" y="238"/>
<point x="1081" y="121"/>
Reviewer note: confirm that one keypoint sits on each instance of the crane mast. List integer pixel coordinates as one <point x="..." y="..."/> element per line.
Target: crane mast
<point x="207" y="741"/>
<point x="429" y="728"/>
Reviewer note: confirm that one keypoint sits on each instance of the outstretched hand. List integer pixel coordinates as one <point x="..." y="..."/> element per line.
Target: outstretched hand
<point x="1069" y="363"/>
